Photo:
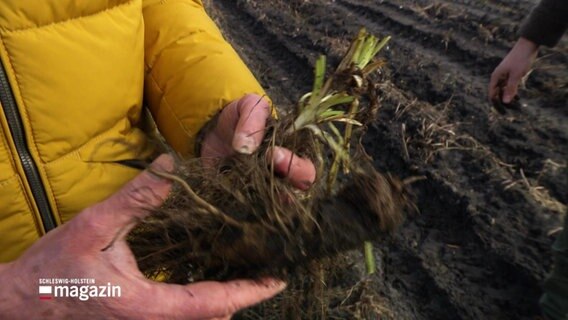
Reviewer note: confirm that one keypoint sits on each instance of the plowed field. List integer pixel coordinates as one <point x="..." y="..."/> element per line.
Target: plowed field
<point x="496" y="186"/>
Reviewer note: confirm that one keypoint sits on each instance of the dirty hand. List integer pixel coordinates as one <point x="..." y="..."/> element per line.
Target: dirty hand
<point x="93" y="245"/>
<point x="240" y="128"/>
<point x="511" y="70"/>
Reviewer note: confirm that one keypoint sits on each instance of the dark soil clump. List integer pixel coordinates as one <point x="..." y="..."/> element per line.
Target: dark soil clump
<point x="233" y="217"/>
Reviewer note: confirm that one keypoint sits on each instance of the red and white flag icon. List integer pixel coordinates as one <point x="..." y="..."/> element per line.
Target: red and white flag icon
<point x="45" y="293"/>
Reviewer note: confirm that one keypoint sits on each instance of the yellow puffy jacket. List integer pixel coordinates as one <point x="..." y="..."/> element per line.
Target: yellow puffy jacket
<point x="72" y="78"/>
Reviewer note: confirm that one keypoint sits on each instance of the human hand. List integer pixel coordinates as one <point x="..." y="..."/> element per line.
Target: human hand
<point x="240" y="128"/>
<point x="509" y="73"/>
<point x="93" y="245"/>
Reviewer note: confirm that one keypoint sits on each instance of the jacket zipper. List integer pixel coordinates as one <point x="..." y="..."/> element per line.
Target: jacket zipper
<point x="30" y="168"/>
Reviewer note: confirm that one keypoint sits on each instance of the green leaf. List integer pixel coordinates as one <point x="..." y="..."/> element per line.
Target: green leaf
<point x="347" y="120"/>
<point x="333" y="100"/>
<point x="381" y="44"/>
<point x="367" y="49"/>
<point x="360" y="40"/>
<point x="332" y="113"/>
<point x="349" y="57"/>
<point x="319" y="74"/>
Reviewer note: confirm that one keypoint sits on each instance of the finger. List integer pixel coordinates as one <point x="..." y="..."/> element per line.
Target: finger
<point x="205" y="300"/>
<point x="253" y="112"/>
<point x="510" y="90"/>
<point x="494" y="86"/>
<point x="118" y="214"/>
<point x="299" y="171"/>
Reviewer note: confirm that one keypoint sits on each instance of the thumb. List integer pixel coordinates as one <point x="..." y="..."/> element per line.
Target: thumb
<point x="510" y="90"/>
<point x="116" y="216"/>
<point x="253" y="112"/>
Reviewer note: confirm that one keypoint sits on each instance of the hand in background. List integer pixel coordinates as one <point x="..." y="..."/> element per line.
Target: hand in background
<point x="93" y="245"/>
<point x="509" y="73"/>
<point x="240" y="128"/>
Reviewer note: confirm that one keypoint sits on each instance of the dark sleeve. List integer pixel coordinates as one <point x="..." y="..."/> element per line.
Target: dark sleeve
<point x="547" y="23"/>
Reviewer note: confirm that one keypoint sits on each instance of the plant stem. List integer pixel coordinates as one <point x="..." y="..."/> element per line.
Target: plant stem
<point x="353" y="109"/>
<point x="369" y="258"/>
<point x="337" y="160"/>
<point x="333" y="173"/>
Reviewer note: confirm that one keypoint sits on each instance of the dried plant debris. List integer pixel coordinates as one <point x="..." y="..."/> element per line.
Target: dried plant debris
<point x="236" y="218"/>
<point x="329" y="289"/>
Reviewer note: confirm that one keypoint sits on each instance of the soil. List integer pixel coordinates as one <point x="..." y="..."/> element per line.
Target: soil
<point x="494" y="192"/>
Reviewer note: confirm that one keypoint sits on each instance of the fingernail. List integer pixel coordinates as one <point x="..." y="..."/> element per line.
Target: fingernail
<point x="244" y="143"/>
<point x="506" y="98"/>
<point x="304" y="185"/>
<point x="278" y="155"/>
<point x="164" y="163"/>
<point x="272" y="283"/>
<point x="281" y="285"/>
